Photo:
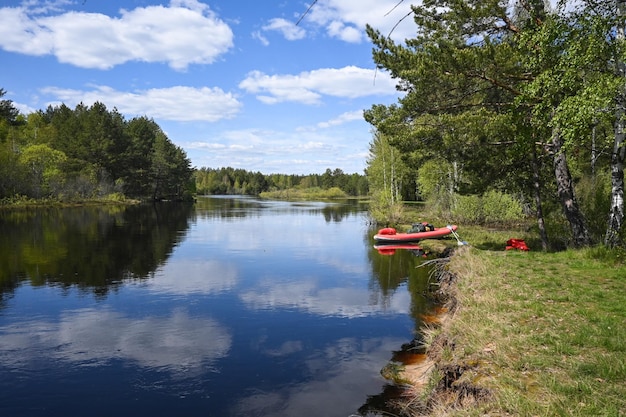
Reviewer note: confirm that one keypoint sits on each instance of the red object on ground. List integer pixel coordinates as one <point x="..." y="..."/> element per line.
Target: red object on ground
<point x="516" y="244"/>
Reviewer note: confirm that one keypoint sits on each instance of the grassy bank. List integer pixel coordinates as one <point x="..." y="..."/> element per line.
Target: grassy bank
<point x="534" y="334"/>
<point x="313" y="193"/>
<point x="18" y="201"/>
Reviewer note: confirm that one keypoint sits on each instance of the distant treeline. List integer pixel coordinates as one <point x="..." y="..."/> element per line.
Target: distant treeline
<point x="88" y="153"/>
<point x="239" y="181"/>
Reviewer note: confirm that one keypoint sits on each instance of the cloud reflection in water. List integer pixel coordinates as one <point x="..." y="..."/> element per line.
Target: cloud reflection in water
<point x="177" y="343"/>
<point x="342" y="370"/>
<point x="337" y="301"/>
<point x="188" y="276"/>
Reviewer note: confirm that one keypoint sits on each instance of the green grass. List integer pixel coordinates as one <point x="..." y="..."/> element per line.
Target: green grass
<point x="544" y="332"/>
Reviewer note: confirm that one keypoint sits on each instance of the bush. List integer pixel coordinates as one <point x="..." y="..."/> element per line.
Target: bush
<point x="594" y="198"/>
<point x="502" y="208"/>
<point x="468" y="209"/>
<point x="493" y="207"/>
<point x="384" y="211"/>
<point x="117" y="197"/>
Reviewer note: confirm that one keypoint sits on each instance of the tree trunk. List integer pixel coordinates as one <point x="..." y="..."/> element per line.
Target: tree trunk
<point x="155" y="189"/>
<point x="539" y="207"/>
<point x="565" y="189"/>
<point x="616" y="214"/>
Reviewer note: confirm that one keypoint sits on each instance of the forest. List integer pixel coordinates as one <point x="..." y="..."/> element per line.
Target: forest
<point x="520" y="102"/>
<point x="239" y="181"/>
<point x="91" y="152"/>
<point x="87" y="153"/>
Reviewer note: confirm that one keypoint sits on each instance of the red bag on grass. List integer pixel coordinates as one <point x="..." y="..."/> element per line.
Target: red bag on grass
<point x="516" y="244"/>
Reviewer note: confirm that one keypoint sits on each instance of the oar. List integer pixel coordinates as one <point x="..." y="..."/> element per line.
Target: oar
<point x="457" y="237"/>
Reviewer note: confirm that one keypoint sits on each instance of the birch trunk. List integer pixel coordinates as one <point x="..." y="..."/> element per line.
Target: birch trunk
<point x="565" y="189"/>
<point x="616" y="215"/>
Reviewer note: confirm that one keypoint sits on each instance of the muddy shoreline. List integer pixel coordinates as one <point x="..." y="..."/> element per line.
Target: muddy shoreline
<point x="429" y="382"/>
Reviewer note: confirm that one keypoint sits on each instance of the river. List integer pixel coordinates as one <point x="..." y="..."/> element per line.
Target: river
<point x="232" y="306"/>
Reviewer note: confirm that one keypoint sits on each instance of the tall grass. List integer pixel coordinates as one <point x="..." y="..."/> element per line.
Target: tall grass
<point x="544" y="333"/>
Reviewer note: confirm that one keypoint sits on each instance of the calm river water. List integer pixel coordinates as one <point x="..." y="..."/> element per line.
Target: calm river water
<point x="230" y="307"/>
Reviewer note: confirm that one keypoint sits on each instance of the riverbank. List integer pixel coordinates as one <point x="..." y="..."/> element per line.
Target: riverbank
<point x="525" y="333"/>
<point x="20" y="202"/>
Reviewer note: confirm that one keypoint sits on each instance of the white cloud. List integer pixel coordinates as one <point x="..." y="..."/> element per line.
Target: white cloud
<point x="346" y="19"/>
<point x="269" y="151"/>
<point x="24" y="108"/>
<point x="345" y="33"/>
<point x="288" y="29"/>
<point x="175" y="103"/>
<point x="258" y="35"/>
<point x="187" y="32"/>
<point x="308" y="87"/>
<point x="47" y="6"/>
<point x="342" y="118"/>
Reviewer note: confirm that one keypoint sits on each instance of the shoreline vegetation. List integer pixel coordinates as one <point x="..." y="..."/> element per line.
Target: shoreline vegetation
<point x="310" y="194"/>
<point x="17" y="202"/>
<point x="314" y="193"/>
<point x="521" y="333"/>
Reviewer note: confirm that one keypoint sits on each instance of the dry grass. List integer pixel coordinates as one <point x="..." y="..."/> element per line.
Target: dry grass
<point x="534" y="334"/>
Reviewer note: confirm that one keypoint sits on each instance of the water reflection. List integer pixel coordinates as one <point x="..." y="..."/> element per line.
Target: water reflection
<point x="244" y="206"/>
<point x="175" y="342"/>
<point x="236" y="306"/>
<point x="199" y="276"/>
<point x="306" y="295"/>
<point x="90" y="247"/>
<point x="334" y="373"/>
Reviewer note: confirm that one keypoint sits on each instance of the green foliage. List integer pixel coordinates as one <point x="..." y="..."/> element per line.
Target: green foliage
<point x="468" y="209"/>
<point x="501" y="208"/>
<point x="238" y="181"/>
<point x="8" y="112"/>
<point x="436" y="183"/>
<point x="116" y="197"/>
<point x="387" y="170"/>
<point x="44" y="166"/>
<point x="502" y="93"/>
<point x="594" y="195"/>
<point x="493" y="207"/>
<point x="385" y="211"/>
<point x="17" y="200"/>
<point x="89" y="152"/>
<point x="314" y="193"/>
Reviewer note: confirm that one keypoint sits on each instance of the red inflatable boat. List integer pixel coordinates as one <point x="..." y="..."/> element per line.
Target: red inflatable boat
<point x="389" y="234"/>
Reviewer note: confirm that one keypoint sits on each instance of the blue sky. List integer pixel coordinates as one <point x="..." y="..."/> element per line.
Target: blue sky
<point x="234" y="83"/>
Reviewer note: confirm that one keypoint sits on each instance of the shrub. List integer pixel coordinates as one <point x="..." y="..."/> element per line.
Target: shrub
<point x="384" y="211"/>
<point x="501" y="208"/>
<point x="594" y="198"/>
<point x="493" y="207"/>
